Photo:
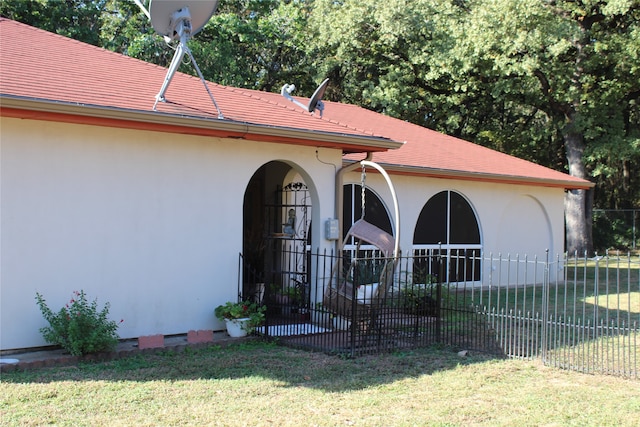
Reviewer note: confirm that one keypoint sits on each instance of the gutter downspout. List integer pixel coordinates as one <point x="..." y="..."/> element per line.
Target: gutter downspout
<point x="340" y="192"/>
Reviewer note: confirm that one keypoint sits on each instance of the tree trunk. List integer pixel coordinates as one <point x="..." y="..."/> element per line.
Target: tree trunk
<point x="578" y="203"/>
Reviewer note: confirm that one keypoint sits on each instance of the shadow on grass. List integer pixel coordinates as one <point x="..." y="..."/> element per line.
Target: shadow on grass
<point x="262" y="360"/>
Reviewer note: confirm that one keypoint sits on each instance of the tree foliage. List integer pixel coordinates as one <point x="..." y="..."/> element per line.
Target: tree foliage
<point x="77" y="19"/>
<point x="576" y="64"/>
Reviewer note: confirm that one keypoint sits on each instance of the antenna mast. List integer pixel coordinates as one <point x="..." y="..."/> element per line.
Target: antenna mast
<point x="144" y="9"/>
<point x="177" y="15"/>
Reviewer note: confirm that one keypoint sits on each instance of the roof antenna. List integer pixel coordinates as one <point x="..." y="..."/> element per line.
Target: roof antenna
<point x="180" y="20"/>
<point x="315" y="103"/>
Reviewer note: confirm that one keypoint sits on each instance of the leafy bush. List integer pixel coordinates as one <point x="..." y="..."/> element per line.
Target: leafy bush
<point x="79" y="327"/>
<point x="420" y="299"/>
<point x="419" y="295"/>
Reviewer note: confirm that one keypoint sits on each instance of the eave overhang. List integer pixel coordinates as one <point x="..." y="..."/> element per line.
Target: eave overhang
<point x="483" y="177"/>
<point x="42" y="109"/>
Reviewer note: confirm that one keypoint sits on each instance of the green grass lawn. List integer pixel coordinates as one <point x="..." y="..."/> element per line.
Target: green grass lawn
<point x="261" y="384"/>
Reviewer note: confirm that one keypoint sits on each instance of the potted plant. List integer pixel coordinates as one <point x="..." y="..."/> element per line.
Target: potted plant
<point x="241" y="317"/>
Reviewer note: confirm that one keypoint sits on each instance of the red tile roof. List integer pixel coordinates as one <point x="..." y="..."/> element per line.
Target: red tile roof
<point x="429" y="153"/>
<point x="38" y="65"/>
<point x="76" y="82"/>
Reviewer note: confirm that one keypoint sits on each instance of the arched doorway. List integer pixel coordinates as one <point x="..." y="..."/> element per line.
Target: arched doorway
<point x="447" y="226"/>
<point x="276" y="237"/>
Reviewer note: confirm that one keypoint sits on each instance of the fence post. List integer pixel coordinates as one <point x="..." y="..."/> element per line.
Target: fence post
<point x="439" y="298"/>
<point x="545" y="308"/>
<point x="633" y="215"/>
<point x="352" y="321"/>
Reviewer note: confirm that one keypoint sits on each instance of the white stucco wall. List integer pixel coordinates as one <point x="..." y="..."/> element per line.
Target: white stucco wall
<point x="152" y="222"/>
<point x="149" y="222"/>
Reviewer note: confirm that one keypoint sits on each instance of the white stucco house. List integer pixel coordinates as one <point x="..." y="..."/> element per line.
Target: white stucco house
<point x="149" y="209"/>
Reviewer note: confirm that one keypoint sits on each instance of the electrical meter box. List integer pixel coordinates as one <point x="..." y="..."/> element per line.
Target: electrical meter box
<point x="331" y="230"/>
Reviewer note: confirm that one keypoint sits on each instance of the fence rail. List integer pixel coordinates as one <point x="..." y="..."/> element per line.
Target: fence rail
<point x="575" y="313"/>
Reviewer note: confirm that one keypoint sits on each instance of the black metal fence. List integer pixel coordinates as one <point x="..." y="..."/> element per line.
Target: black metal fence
<point x="571" y="312"/>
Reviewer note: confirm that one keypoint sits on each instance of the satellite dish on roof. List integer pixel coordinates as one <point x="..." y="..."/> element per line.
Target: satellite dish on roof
<point x="179" y="20"/>
<point x="167" y="14"/>
<point x="315" y="103"/>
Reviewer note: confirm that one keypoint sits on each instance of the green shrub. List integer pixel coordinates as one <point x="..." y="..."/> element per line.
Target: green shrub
<point x="79" y="327"/>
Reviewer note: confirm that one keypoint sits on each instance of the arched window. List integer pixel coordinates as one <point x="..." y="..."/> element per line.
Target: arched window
<point x="374" y="210"/>
<point x="448" y="226"/>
